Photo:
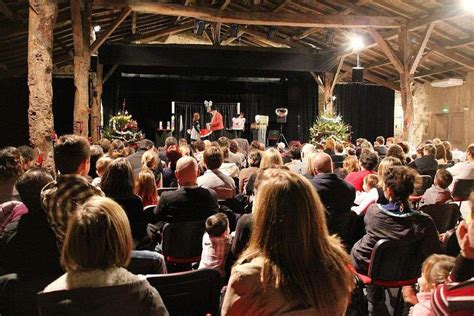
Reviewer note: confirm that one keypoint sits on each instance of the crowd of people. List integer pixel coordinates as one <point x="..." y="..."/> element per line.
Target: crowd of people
<point x="286" y="227"/>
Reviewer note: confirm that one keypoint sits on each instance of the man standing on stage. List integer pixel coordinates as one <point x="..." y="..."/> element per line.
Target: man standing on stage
<point x="217" y="124"/>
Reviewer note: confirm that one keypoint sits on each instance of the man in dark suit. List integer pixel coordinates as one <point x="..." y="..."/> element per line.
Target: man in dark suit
<point x="336" y="194"/>
<point x="426" y="165"/>
<point x="135" y="159"/>
<point x="189" y="202"/>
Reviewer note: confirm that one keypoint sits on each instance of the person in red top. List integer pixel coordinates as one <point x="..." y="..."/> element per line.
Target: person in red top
<point x="217" y="124"/>
<point x="368" y="162"/>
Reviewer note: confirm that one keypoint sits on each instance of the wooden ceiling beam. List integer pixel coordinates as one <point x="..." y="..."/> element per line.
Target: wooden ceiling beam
<point x="253" y="18"/>
<point x="5" y="10"/>
<point x="151" y="36"/>
<point x="421" y="49"/>
<point x="387" y="49"/>
<point x="439" y="70"/>
<point x="110" y="29"/>
<point x="281" y="6"/>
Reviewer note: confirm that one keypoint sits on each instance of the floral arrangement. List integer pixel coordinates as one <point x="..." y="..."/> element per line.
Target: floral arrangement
<point x="329" y="125"/>
<point x="122" y="126"/>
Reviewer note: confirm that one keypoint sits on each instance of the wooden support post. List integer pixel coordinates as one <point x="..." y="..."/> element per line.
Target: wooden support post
<point x="81" y="26"/>
<point x="42" y="16"/>
<point x="406" y="83"/>
<point x="96" y="113"/>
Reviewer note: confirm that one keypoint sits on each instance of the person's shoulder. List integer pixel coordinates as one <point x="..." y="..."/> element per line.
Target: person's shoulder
<point x="247" y="274"/>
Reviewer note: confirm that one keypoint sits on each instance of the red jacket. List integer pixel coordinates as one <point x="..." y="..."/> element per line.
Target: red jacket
<point x="217" y="122"/>
<point x="357" y="178"/>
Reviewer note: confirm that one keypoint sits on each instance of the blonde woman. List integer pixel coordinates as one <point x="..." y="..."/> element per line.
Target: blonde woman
<point x="98" y="246"/>
<point x="271" y="157"/>
<point x="291" y="265"/>
<point x="383" y="166"/>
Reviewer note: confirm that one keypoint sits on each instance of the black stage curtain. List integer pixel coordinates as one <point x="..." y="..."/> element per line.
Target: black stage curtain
<point x="149" y="101"/>
<point x="368" y="109"/>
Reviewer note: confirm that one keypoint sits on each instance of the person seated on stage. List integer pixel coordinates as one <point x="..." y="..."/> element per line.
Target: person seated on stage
<point x="368" y="197"/>
<point x="213" y="177"/>
<point x="368" y="162"/>
<point x="97" y="248"/>
<point x="100" y="167"/>
<point x="216" y="243"/>
<point x="439" y="192"/>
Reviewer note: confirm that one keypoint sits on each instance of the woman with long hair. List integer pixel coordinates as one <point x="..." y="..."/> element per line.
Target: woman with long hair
<point x="292" y="264"/>
<point x="118" y="184"/>
<point x="97" y="247"/>
<point x="271" y="157"/>
<point x="145" y="187"/>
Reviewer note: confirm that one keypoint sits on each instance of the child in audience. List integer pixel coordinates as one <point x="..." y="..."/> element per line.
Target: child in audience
<point x="100" y="166"/>
<point x="439" y="192"/>
<point x="369" y="196"/>
<point x="216" y="243"/>
<point x="145" y="187"/>
<point x="435" y="271"/>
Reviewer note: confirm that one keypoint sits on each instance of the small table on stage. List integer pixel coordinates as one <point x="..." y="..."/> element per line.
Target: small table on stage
<point x="160" y="136"/>
<point x="236" y="132"/>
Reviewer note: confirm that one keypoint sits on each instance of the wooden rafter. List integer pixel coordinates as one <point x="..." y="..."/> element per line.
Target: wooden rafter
<point x="151" y="36"/>
<point x="387" y="49"/>
<point x="421" y="49"/>
<point x="253" y="18"/>
<point x="281" y="6"/>
<point x="438" y="70"/>
<point x="5" y="10"/>
<point x="338" y="70"/>
<point x="112" y="27"/>
<point x="229" y="40"/>
<point x="109" y="73"/>
<point x="134" y="22"/>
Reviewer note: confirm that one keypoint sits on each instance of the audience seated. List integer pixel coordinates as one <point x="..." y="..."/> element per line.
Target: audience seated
<point x="136" y="158"/>
<point x="383" y="166"/>
<point x="61" y="197"/>
<point x="27" y="157"/>
<point x="172" y="156"/>
<point x="117" y="149"/>
<point x="268" y="278"/>
<point x="145" y="187"/>
<point x="254" y="158"/>
<point x="448" y="148"/>
<point x="349" y="164"/>
<point x="369" y="196"/>
<point x="295" y="163"/>
<point x="427" y="164"/>
<point x="117" y="184"/>
<point x="456" y="295"/>
<point x="96" y="154"/>
<point x="396" y="151"/>
<point x="216" y="243"/>
<point x="27" y="244"/>
<point x="214" y="178"/>
<point x="464" y="170"/>
<point x="379" y="146"/>
<point x="97" y="247"/>
<point x="336" y="195"/>
<point x="440" y="154"/>
<point x="368" y="162"/>
<point x="305" y="151"/>
<point x="439" y="192"/>
<point x="152" y="162"/>
<point x="189" y="202"/>
<point x="10" y="170"/>
<point x="100" y="167"/>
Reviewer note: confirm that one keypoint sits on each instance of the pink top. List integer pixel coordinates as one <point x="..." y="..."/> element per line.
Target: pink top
<point x="423" y="308"/>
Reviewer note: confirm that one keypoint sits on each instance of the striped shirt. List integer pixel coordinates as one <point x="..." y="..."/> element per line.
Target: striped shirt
<point x="456" y="296"/>
<point x="60" y="199"/>
<point x="214" y="252"/>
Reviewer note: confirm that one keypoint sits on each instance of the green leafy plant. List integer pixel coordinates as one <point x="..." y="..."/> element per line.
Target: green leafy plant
<point x="329" y="125"/>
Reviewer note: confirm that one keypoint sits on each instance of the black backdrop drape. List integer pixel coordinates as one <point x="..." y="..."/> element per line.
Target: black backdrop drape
<point x="149" y="99"/>
<point x="368" y="109"/>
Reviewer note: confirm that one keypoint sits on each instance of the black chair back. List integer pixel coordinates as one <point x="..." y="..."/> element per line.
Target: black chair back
<point x="394" y="261"/>
<point x="426" y="182"/>
<point x="451" y="244"/>
<point x="194" y="292"/>
<point x="462" y="188"/>
<point x="445" y="216"/>
<point x="161" y="190"/>
<point x="445" y="165"/>
<point x="182" y="242"/>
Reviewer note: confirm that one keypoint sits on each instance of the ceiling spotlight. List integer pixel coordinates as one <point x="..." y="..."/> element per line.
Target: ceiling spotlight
<point x="468" y="5"/>
<point x="97" y="28"/>
<point x="356" y="43"/>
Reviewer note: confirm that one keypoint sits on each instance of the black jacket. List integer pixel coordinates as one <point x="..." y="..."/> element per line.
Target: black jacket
<point x="426" y="165"/>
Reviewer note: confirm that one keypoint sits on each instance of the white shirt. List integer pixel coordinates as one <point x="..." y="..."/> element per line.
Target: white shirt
<point x="462" y="170"/>
<point x="364" y="200"/>
<point x="238" y="123"/>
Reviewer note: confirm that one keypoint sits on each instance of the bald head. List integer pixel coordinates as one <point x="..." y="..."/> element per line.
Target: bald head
<point x="186" y="171"/>
<point x="322" y="163"/>
<point x="307" y="149"/>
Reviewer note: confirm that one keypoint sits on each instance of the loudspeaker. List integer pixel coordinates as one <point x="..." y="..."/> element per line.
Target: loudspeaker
<point x="357" y="74"/>
<point x="273" y="134"/>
